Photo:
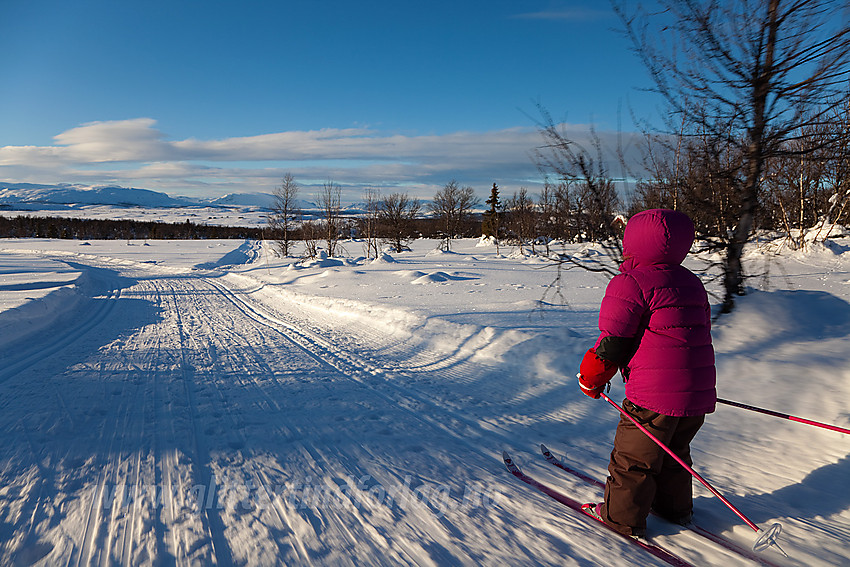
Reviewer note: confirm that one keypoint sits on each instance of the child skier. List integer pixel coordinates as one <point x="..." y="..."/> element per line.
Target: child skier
<point x="655" y="327"/>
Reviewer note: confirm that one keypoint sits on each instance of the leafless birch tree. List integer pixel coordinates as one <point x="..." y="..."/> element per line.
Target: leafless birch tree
<point x="285" y="214"/>
<point x="330" y="203"/>
<point x="751" y="73"/>
<point x="452" y="206"/>
<point x="397" y="213"/>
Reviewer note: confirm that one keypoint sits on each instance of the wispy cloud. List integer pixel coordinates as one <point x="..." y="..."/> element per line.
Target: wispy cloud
<point x="136" y="153"/>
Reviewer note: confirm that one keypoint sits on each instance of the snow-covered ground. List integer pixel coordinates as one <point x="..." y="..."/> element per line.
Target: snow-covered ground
<point x="214" y="216"/>
<point x="120" y="203"/>
<point x="209" y="403"/>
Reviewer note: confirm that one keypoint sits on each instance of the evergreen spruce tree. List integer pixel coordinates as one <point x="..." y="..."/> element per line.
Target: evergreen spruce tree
<point x="492" y="217"/>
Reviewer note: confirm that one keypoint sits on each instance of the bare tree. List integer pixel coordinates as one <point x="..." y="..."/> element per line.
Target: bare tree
<point x="369" y="223"/>
<point x="285" y="214"/>
<point x="565" y="227"/>
<point x="329" y="202"/>
<point x="836" y="167"/>
<point x="521" y="218"/>
<point x="397" y="213"/>
<point x="824" y="176"/>
<point x="452" y="206"/>
<point x="696" y="173"/>
<point x="311" y="232"/>
<point x="750" y="72"/>
<point x="594" y="208"/>
<point x="547" y="215"/>
<point x="796" y="192"/>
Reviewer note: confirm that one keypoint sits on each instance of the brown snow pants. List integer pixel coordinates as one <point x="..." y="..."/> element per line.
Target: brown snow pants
<point x="643" y="476"/>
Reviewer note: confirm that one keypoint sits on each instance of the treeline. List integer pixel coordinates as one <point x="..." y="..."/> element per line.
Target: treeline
<point x="804" y="181"/>
<point x="347" y="227"/>
<point x="392" y="220"/>
<point x="566" y="212"/>
<point x="94" y="229"/>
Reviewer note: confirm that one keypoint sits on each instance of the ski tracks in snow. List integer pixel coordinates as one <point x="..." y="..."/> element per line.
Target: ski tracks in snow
<point x="183" y="422"/>
<point x="177" y="422"/>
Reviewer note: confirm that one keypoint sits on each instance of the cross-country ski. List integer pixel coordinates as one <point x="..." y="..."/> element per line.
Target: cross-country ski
<point x="692" y="525"/>
<point x="577" y="506"/>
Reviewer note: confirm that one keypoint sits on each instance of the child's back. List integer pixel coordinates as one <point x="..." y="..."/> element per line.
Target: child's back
<point x="655" y="326"/>
<point x="664" y="308"/>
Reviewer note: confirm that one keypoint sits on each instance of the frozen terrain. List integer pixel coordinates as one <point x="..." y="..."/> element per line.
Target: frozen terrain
<point x="209" y="403"/>
<point x="120" y="203"/>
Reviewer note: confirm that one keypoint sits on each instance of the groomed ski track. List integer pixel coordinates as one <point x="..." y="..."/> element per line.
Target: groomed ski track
<point x="188" y="419"/>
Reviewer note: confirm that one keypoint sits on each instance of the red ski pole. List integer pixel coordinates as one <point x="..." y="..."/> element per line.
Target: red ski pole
<point x="765" y="540"/>
<point x="784" y="416"/>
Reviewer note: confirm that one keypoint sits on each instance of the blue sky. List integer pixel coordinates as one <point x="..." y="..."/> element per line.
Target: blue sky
<point x="203" y="98"/>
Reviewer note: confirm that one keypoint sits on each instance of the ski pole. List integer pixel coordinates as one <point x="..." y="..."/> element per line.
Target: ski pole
<point x="765" y="540"/>
<point x="784" y="416"/>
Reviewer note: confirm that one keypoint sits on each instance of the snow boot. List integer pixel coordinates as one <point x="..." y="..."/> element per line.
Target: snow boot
<point x="592" y="510"/>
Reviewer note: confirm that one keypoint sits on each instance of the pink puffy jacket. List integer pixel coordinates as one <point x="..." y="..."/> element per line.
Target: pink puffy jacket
<point x="659" y="309"/>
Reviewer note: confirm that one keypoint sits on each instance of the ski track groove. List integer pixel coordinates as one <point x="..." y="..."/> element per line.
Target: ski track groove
<point x="127" y="543"/>
<point x="174" y="486"/>
<point x="135" y="459"/>
<point x="211" y="521"/>
<point x="87" y="549"/>
<point x="262" y="481"/>
<point x="164" y="461"/>
<point x="315" y="456"/>
<point x="152" y="417"/>
<point x="41" y="480"/>
<point x="120" y="527"/>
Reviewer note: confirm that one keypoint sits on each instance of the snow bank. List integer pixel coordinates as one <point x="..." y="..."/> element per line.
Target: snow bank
<point x="34" y="294"/>
<point x="248" y="251"/>
<point x="384" y="258"/>
<point x="763" y="318"/>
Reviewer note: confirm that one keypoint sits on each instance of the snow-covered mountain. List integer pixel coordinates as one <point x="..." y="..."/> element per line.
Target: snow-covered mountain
<point x="69" y="197"/>
<point x="258" y="200"/>
<point x="31" y="196"/>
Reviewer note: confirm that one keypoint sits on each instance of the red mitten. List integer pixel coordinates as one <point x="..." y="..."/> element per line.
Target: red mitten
<point x="590" y="390"/>
<point x="594" y="373"/>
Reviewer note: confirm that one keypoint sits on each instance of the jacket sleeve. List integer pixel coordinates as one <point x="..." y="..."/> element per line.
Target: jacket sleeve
<point x="622" y="309"/>
<point x="620" y="316"/>
<point x="617" y="350"/>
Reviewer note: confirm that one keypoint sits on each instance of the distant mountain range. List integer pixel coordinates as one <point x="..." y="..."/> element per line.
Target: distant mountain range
<point x="70" y="197"/>
<point x="30" y="196"/>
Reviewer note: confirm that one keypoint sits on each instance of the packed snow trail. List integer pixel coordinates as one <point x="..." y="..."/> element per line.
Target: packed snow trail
<point x="199" y="418"/>
<point x="174" y="422"/>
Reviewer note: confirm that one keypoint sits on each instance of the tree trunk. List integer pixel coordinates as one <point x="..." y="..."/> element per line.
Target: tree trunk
<point x="733" y="279"/>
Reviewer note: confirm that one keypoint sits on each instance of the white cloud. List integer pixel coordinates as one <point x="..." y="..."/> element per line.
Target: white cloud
<point x="123" y="140"/>
<point x="353" y="157"/>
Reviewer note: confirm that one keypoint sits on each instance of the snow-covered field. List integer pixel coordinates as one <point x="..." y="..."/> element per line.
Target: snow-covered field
<point x="209" y="403"/>
<point x="215" y="216"/>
